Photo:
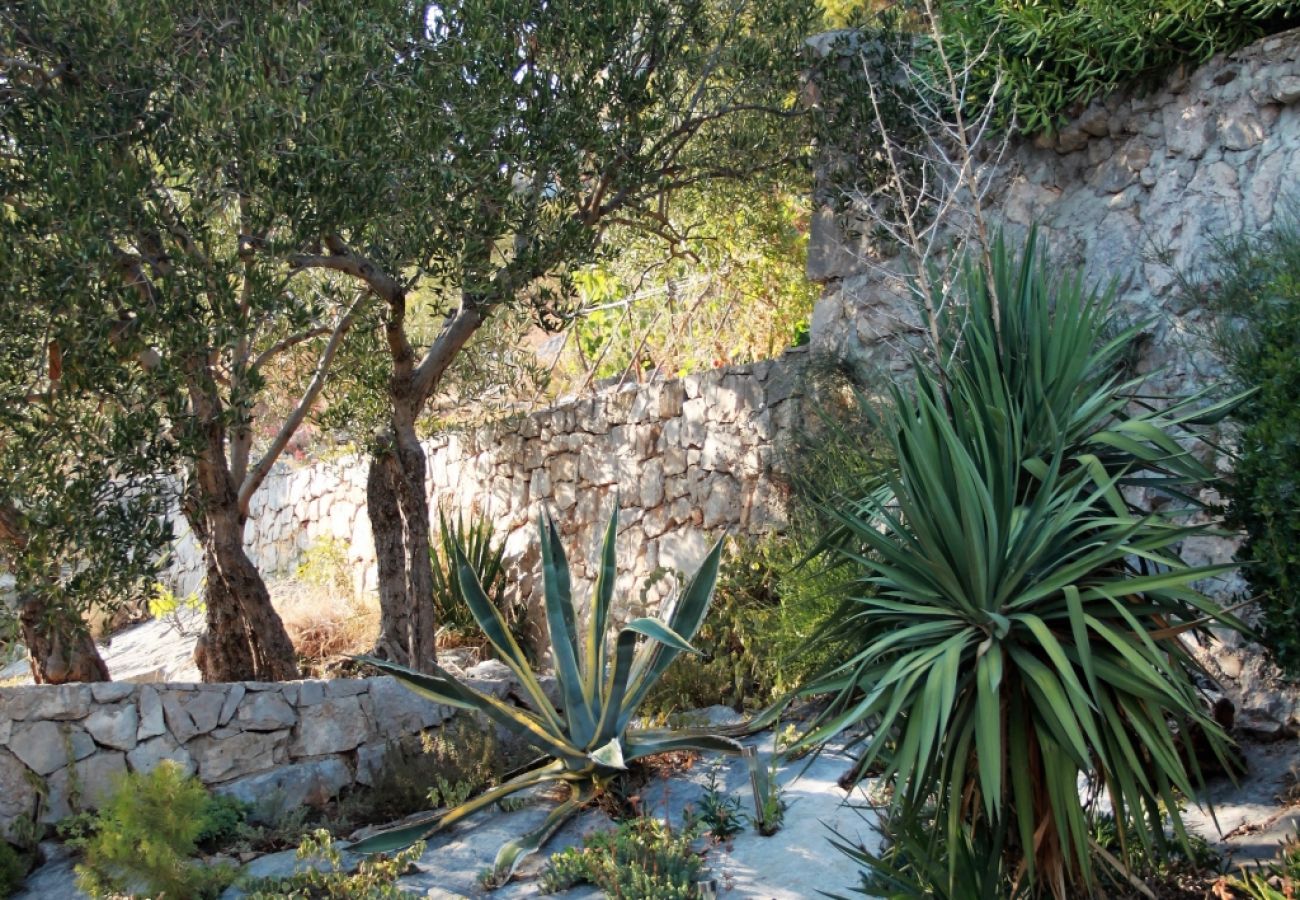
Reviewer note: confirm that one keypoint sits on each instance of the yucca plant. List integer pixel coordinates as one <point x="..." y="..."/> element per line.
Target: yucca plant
<point x="1019" y="617"/>
<point x="486" y="556"/>
<point x="586" y="737"/>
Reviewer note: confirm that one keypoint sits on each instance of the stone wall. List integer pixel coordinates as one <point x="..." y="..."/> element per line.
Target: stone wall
<point x="689" y="459"/>
<point x="1138" y="188"/>
<point x="277" y="746"/>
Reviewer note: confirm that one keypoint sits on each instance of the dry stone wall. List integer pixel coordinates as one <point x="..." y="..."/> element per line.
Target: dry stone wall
<point x="276" y="746"/>
<point x="688" y="459"/>
<point x="1139" y="188"/>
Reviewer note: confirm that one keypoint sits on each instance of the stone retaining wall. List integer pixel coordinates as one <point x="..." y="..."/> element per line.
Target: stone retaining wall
<point x="277" y="746"/>
<point x="689" y="459"/>
<point x="1139" y="188"/>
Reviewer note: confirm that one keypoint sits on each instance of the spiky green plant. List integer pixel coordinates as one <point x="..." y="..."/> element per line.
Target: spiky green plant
<point x="486" y="556"/>
<point x="1019" y="615"/>
<point x="586" y="736"/>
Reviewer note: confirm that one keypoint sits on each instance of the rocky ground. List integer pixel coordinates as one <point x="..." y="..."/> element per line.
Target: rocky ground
<point x="1252" y="817"/>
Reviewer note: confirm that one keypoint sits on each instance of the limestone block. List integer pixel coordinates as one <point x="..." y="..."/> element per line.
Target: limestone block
<point x="114" y="726"/>
<point x="46" y="746"/>
<point x="148" y="754"/>
<point x="234" y="696"/>
<point x="151" y="714"/>
<point x="225" y="754"/>
<point x="111" y="691"/>
<point x="723" y="504"/>
<point x="62" y="702"/>
<point x="346" y="687"/>
<point x="333" y="726"/>
<point x="1240" y="131"/>
<point x="673" y="461"/>
<point x="93" y="779"/>
<point x="312" y="783"/>
<point x="564" y="496"/>
<point x="651" y="488"/>
<point x="398" y="711"/>
<point x="370" y="761"/>
<point x="563" y="467"/>
<point x="17" y="793"/>
<point x="265" y="711"/>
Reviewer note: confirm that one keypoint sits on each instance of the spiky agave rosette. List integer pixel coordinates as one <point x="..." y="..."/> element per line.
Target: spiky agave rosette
<point x="586" y="737"/>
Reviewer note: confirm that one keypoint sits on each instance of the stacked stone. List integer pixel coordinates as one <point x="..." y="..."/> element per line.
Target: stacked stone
<point x="1139" y="188"/>
<point x="689" y="459"/>
<point x="275" y="745"/>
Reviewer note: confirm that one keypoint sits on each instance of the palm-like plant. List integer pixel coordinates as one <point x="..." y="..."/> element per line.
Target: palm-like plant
<point x="1019" y="616"/>
<point x="586" y="738"/>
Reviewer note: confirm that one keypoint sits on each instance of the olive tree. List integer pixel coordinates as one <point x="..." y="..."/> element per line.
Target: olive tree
<point x="527" y="129"/>
<point x="152" y="192"/>
<point x="221" y="187"/>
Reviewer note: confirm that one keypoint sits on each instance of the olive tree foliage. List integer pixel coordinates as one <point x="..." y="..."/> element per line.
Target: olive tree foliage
<point x="519" y="132"/>
<point x="81" y="521"/>
<point x="156" y="157"/>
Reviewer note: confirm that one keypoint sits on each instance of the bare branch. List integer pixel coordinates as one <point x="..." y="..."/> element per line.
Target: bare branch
<point x="295" y="419"/>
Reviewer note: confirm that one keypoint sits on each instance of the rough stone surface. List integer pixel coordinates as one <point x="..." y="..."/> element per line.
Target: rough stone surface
<point x="313" y="783"/>
<point x="278" y="746"/>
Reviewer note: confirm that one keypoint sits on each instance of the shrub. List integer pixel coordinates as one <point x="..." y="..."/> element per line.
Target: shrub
<point x="587" y="738"/>
<point x="1056" y="57"/>
<point x="753" y="646"/>
<point x="642" y="858"/>
<point x="1020" y="618"/>
<point x="13" y="869"/>
<point x="324" y="878"/>
<point x="143" y="837"/>
<point x="1254" y="286"/>
<point x="1278" y="880"/>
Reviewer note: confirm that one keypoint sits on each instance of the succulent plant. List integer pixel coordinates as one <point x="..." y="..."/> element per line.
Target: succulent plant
<point x="587" y="736"/>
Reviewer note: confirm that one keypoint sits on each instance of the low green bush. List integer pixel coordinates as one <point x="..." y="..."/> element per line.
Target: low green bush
<point x="13" y="869"/>
<point x="642" y="858"/>
<point x="1254" y="287"/>
<point x="143" y="840"/>
<point x="1277" y="880"/>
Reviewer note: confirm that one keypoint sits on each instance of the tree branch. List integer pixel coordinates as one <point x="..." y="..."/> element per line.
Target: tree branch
<point x="291" y="424"/>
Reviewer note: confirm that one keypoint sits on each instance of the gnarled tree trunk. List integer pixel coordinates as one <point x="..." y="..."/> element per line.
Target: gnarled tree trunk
<point x="59" y="650"/>
<point x="245" y="639"/>
<point x="399" y="520"/>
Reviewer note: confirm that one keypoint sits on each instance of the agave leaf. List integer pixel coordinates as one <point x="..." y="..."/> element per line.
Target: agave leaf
<point x="496" y="630"/>
<point x="564" y="641"/>
<point x="399" y="838"/>
<point x="684" y="620"/>
<point x="597" y="622"/>
<point x="513" y="853"/>
<point x="610" y="755"/>
<point x="439" y="687"/>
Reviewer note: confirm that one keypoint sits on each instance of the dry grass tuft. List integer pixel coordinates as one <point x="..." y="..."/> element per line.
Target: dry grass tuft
<point x="326" y="625"/>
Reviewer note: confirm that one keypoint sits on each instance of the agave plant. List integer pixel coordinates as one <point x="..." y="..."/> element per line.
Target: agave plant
<point x="1019" y="616"/>
<point x="587" y="737"/>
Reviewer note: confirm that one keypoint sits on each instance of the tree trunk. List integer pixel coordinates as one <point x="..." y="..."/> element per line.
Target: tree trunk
<point x="59" y="650"/>
<point x="245" y="639"/>
<point x="399" y="520"/>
